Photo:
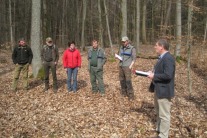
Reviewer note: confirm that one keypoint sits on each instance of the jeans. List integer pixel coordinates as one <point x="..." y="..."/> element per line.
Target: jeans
<point x="72" y="72"/>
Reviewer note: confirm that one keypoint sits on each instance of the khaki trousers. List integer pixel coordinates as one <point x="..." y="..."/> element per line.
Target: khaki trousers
<point x="162" y="109"/>
<point x="18" y="69"/>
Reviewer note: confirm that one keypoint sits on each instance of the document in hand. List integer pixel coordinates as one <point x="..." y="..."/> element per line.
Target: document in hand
<point x="141" y="73"/>
<point x="120" y="58"/>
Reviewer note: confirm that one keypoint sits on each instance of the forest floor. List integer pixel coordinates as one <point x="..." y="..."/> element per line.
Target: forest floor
<point x="35" y="113"/>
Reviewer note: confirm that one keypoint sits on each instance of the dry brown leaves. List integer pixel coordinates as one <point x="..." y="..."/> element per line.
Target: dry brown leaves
<point x="45" y="114"/>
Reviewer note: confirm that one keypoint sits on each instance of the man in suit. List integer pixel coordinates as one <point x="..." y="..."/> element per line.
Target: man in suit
<point x="163" y="87"/>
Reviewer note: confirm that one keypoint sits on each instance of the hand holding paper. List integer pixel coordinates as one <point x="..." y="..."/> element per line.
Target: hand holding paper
<point x="117" y="56"/>
<point x="141" y="73"/>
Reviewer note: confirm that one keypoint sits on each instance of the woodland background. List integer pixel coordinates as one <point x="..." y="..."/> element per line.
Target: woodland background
<point x="37" y="114"/>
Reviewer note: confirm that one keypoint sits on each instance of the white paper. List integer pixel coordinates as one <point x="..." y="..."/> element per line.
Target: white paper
<point x="120" y="58"/>
<point x="142" y="73"/>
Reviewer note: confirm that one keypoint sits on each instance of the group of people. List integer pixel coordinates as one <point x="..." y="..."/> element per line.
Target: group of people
<point x="162" y="75"/>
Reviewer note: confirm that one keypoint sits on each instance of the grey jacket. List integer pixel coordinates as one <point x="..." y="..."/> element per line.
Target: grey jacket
<point x="100" y="56"/>
<point x="128" y="55"/>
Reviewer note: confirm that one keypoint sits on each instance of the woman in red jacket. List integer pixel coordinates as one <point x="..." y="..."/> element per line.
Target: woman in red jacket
<point x="71" y="63"/>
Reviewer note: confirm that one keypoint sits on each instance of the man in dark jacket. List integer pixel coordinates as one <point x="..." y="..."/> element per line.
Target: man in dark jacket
<point x="97" y="59"/>
<point x="163" y="87"/>
<point x="50" y="57"/>
<point x="22" y="57"/>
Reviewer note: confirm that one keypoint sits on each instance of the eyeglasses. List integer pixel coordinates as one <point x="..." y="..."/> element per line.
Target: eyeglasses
<point x="49" y="41"/>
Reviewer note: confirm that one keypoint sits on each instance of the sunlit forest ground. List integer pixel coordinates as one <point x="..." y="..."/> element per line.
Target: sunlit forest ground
<point x="34" y="113"/>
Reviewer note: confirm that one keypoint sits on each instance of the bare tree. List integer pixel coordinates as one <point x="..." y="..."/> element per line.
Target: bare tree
<point x="189" y="43"/>
<point x="178" y="28"/>
<point x="35" y="37"/>
<point x="124" y="17"/>
<point x="167" y="17"/>
<point x="83" y="26"/>
<point x="138" y="26"/>
<point x="100" y="24"/>
<point x="108" y="28"/>
<point x="11" y="26"/>
<point x="144" y="12"/>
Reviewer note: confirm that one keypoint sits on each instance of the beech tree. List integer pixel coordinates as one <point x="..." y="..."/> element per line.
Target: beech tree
<point x="124" y="17"/>
<point x="83" y="26"/>
<point x="189" y="43"/>
<point x="138" y="26"/>
<point x="35" y="37"/>
<point x="178" y="29"/>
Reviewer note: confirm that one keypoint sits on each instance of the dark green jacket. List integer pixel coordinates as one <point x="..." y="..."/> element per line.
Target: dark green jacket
<point x="100" y="56"/>
<point x="55" y="54"/>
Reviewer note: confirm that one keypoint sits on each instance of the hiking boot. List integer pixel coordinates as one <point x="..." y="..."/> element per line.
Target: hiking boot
<point x="26" y="89"/>
<point x="45" y="89"/>
<point x="15" y="90"/>
<point x="55" y="90"/>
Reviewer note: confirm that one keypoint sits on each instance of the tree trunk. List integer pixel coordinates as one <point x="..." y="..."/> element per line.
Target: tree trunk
<point x="178" y="29"/>
<point x="83" y="26"/>
<point x="167" y="18"/>
<point x="124" y="17"/>
<point x="108" y="28"/>
<point x="45" y="21"/>
<point x="138" y="26"/>
<point x="100" y="24"/>
<point x="77" y="24"/>
<point x="189" y="44"/>
<point x="11" y="27"/>
<point x="144" y="36"/>
<point x="35" y="37"/>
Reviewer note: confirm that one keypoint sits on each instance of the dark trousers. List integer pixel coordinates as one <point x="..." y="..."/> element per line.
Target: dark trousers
<point x="47" y="66"/>
<point x="125" y="82"/>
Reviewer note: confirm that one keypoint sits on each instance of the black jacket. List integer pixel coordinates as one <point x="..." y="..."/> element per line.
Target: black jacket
<point x="22" y="55"/>
<point x="164" y="77"/>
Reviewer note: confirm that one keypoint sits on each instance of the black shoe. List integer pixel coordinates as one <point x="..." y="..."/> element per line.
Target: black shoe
<point x="94" y="92"/>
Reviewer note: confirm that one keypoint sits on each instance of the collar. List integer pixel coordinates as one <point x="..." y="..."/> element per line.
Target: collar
<point x="126" y="46"/>
<point x="71" y="50"/>
<point x="162" y="54"/>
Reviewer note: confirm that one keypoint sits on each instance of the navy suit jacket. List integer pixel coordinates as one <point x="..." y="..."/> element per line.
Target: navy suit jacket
<point x="164" y="77"/>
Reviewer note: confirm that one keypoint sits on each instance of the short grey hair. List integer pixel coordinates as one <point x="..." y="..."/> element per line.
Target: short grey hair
<point x="164" y="43"/>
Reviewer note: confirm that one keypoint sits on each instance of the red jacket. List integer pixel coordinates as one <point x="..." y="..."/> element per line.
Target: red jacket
<point x="71" y="59"/>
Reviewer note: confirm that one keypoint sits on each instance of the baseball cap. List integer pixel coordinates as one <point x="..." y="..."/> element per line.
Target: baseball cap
<point x="49" y="39"/>
<point x="125" y="38"/>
